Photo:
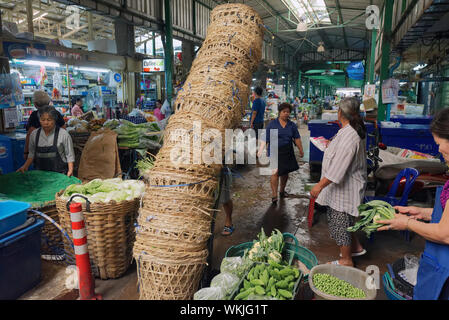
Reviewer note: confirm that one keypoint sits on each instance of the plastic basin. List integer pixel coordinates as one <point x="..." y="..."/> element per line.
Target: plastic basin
<point x="12" y="214"/>
<point x="355" y="277"/>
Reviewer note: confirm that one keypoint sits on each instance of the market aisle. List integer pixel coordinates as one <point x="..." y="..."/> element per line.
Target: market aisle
<point x="253" y="210"/>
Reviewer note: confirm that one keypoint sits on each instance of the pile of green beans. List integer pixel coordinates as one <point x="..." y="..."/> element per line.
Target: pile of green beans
<point x="336" y="287"/>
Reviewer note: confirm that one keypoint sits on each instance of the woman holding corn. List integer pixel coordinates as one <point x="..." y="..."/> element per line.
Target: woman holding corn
<point x="433" y="273"/>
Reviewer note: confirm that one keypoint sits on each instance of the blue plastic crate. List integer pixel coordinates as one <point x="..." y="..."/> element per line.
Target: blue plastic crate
<point x="6" y="155"/>
<point x="20" y="261"/>
<point x="411" y="119"/>
<point x="12" y="214"/>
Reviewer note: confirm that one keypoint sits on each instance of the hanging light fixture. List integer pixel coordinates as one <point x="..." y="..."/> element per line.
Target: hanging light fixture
<point x="320" y="47"/>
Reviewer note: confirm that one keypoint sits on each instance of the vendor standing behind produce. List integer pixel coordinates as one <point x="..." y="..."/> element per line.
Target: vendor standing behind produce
<point x="288" y="135"/>
<point x="77" y="109"/>
<point x="157" y="111"/>
<point x="258" y="112"/>
<point x="343" y="180"/>
<point x="433" y="272"/>
<point x="51" y="147"/>
<point x="40" y="99"/>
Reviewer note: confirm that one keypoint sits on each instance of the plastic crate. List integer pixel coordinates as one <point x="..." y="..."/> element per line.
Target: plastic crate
<point x="399" y="283"/>
<point x="355" y="277"/>
<point x="390" y="293"/>
<point x="302" y="254"/>
<point x="6" y="155"/>
<point x="20" y="261"/>
<point x="12" y="214"/>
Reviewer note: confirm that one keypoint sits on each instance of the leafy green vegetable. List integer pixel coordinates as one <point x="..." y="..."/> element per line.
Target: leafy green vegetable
<point x="370" y="213"/>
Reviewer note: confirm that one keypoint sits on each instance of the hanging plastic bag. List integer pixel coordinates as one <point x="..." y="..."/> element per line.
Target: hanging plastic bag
<point x="235" y="265"/>
<point x="227" y="281"/>
<point x="210" y="293"/>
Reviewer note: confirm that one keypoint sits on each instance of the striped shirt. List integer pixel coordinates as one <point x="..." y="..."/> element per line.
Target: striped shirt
<point x="344" y="163"/>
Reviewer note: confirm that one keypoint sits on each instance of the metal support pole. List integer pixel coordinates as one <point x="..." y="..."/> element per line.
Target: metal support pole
<point x="154" y="44"/>
<point x="30" y="16"/>
<point x="168" y="56"/>
<point x="298" y="85"/>
<point x="90" y="26"/>
<point x="386" y="49"/>
<point x="372" y="59"/>
<point x="194" y="16"/>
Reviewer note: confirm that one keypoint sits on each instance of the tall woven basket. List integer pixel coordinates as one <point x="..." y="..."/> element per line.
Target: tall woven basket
<point x="110" y="234"/>
<point x="174" y="223"/>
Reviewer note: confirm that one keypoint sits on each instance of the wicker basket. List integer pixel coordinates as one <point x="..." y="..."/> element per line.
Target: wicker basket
<point x="174" y="223"/>
<point x="165" y="276"/>
<point x="51" y="238"/>
<point x="110" y="234"/>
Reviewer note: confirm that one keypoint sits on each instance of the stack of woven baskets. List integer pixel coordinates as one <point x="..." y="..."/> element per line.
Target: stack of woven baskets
<point x="174" y="222"/>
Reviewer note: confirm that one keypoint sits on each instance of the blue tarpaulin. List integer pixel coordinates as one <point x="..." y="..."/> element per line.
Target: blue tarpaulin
<point x="356" y="70"/>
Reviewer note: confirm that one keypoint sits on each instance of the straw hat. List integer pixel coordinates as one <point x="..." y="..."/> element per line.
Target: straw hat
<point x="41" y="98"/>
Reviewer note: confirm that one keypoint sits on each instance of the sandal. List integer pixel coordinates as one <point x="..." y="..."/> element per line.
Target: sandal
<point x="274" y="200"/>
<point x="337" y="263"/>
<point x="284" y="194"/>
<point x="227" y="230"/>
<point x="357" y="254"/>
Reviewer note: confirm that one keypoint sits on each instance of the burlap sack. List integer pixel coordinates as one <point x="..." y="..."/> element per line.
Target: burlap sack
<point x="100" y="158"/>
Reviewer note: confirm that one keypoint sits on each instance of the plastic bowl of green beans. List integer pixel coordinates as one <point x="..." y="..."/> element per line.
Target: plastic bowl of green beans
<point x="335" y="282"/>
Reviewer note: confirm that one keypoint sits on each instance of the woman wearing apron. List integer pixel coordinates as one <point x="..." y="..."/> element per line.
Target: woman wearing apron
<point x="433" y="273"/>
<point x="51" y="147"/>
<point x="288" y="135"/>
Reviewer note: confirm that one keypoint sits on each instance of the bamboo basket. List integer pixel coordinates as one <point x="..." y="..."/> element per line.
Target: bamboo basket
<point x="51" y="239"/>
<point x="110" y="234"/>
<point x="174" y="223"/>
<point x="164" y="276"/>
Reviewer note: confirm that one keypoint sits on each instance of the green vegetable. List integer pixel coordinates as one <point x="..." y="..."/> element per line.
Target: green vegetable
<point x="259" y="290"/>
<point x="275" y="273"/>
<point x="265" y="277"/>
<point x="273" y="291"/>
<point x="271" y="282"/>
<point x="246" y="284"/>
<point x="282" y="284"/>
<point x="244" y="294"/>
<point x="257" y="282"/>
<point x="285" y="293"/>
<point x="370" y="213"/>
<point x="336" y="287"/>
<point x="291" y="286"/>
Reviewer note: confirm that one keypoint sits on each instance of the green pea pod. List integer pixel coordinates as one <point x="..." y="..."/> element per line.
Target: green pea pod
<point x="282" y="284"/>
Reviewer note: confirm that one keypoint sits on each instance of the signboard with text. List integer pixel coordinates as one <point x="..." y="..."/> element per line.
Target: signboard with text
<point x="153" y="65"/>
<point x="18" y="50"/>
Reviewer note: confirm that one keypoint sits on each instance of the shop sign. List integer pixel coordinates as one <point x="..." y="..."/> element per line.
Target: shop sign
<point x="390" y="91"/>
<point x="15" y="50"/>
<point x="369" y="92"/>
<point x="153" y="65"/>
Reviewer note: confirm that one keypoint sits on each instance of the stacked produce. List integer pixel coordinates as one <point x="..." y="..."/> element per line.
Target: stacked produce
<point x="99" y="190"/>
<point x="269" y="281"/>
<point x="109" y="221"/>
<point x="137" y="136"/>
<point x="336" y="287"/>
<point x="174" y="223"/>
<point x="370" y="213"/>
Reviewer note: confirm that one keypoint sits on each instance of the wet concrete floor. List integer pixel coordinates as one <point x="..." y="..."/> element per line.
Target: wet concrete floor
<point x="252" y="211"/>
